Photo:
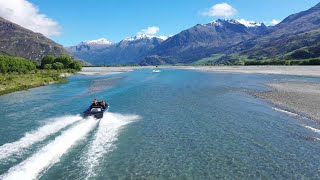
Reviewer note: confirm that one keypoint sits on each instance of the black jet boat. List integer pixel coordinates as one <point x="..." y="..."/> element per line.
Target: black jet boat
<point x="96" y="111"/>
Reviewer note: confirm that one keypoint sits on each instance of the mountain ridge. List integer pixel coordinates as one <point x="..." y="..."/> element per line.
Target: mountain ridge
<point x="127" y="51"/>
<point x="228" y="39"/>
<point x="18" y="41"/>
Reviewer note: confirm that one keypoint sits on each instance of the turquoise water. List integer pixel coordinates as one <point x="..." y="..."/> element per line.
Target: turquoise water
<point x="174" y="124"/>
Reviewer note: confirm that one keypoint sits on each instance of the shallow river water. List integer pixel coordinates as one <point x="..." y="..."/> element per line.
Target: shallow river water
<point x="176" y="124"/>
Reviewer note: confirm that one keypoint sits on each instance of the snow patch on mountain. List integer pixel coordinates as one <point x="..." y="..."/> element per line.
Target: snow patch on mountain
<point x="144" y="36"/>
<point x="101" y="41"/>
<point x="249" y="23"/>
<point x="221" y="22"/>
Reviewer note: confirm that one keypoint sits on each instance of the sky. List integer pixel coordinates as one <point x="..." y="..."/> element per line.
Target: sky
<point x="69" y="22"/>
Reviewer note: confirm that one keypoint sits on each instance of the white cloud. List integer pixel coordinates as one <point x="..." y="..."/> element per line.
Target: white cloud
<point x="274" y="22"/>
<point x="27" y="15"/>
<point x="221" y="10"/>
<point x="150" y="30"/>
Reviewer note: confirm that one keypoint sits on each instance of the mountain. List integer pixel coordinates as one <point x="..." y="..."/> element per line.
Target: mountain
<point x="298" y="32"/>
<point x="127" y="51"/>
<point x="90" y="45"/>
<point x="18" y="41"/>
<point x="203" y="40"/>
<point x="219" y="42"/>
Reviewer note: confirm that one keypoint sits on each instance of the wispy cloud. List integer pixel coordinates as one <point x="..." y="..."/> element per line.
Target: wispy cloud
<point x="149" y="31"/>
<point x="27" y="15"/>
<point x="220" y="10"/>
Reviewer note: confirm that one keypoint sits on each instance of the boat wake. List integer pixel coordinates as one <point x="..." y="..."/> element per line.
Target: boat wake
<point x="73" y="129"/>
<point x="103" y="141"/>
<point x="35" y="136"/>
<point x="51" y="153"/>
<point x="285" y="111"/>
<point x="313" y="129"/>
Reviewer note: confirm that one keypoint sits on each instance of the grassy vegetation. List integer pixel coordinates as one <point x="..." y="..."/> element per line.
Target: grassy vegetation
<point x="11" y="82"/>
<point x="19" y="74"/>
<point x="212" y="59"/>
<point x="313" y="61"/>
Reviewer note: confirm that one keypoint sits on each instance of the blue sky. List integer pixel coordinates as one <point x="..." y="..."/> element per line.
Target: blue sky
<point x="116" y="19"/>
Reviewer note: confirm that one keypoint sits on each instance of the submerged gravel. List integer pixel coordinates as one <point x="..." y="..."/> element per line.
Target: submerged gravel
<point x="303" y="98"/>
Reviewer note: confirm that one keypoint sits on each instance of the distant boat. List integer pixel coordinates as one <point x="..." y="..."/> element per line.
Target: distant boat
<point x="156" y="71"/>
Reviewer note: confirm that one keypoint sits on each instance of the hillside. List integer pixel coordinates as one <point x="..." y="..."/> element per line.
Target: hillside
<point x="18" y="41"/>
<point x="299" y="31"/>
<point x="205" y="39"/>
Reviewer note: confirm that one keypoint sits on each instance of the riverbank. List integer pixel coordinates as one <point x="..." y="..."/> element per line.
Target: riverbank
<point x="312" y="71"/>
<point x="108" y="70"/>
<point x="12" y="82"/>
<point x="300" y="97"/>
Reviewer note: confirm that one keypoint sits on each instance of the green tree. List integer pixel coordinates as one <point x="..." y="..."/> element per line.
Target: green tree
<point x="65" y="60"/>
<point x="47" y="66"/>
<point x="47" y="60"/>
<point x="57" y="65"/>
<point x="75" y="65"/>
<point x="10" y="64"/>
<point x="3" y="67"/>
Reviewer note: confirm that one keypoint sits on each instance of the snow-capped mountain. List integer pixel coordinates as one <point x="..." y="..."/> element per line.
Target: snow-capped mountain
<point x="249" y="23"/>
<point x="101" y="41"/>
<point x="127" y="51"/>
<point x="221" y="22"/>
<point x="90" y="45"/>
<point x="144" y="36"/>
<point x="204" y="39"/>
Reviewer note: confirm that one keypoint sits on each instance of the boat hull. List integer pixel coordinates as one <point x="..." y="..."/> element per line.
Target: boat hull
<point x="95" y="114"/>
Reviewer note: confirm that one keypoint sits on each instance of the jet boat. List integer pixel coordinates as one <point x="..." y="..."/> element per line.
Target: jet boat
<point x="96" y="111"/>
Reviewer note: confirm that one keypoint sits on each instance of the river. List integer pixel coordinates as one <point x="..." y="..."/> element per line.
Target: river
<point x="175" y="124"/>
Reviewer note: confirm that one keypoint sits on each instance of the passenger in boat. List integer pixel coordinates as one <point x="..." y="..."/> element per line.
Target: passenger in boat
<point x="103" y="104"/>
<point x="94" y="104"/>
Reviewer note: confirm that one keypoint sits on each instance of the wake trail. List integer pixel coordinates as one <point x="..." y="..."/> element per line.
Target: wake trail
<point x="51" y="153"/>
<point x="106" y="135"/>
<point x="313" y="129"/>
<point x="30" y="138"/>
<point x="286" y="112"/>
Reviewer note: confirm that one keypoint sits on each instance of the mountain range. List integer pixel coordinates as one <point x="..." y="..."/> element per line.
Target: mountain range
<point x="221" y="41"/>
<point x="127" y="51"/>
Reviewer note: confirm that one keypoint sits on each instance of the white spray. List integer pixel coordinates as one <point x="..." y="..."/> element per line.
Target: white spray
<point x="104" y="138"/>
<point x="51" y="153"/>
<point x="35" y="136"/>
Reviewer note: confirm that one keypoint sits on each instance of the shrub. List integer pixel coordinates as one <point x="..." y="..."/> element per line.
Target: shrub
<point x="47" y="60"/>
<point x="75" y="65"/>
<point x="10" y="64"/>
<point x="3" y="67"/>
<point x="313" y="62"/>
<point x="65" y="60"/>
<point x="57" y="66"/>
<point x="47" y="66"/>
<point x="301" y="54"/>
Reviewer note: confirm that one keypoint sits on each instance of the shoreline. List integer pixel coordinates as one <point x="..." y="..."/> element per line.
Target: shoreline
<point x="293" y="98"/>
<point x="300" y="97"/>
<point x="92" y="71"/>
<point x="14" y="82"/>
<point x="310" y="71"/>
